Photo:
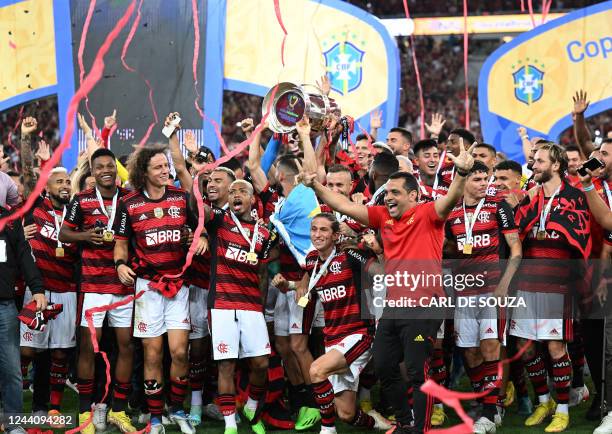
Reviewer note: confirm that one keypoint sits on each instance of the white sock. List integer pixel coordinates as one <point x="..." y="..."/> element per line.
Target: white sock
<point x="230" y="421"/>
<point x="544" y="398"/>
<point x="196" y="397"/>
<point x="251" y="404"/>
<point x="563" y="408"/>
<point x="364" y="393"/>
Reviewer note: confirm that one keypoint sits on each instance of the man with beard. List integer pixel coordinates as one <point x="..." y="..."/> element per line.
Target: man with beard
<point x="554" y="226"/>
<point x="411" y="232"/>
<point x="399" y="140"/>
<point x="476" y="227"/>
<point x="217" y="191"/>
<point x="56" y="261"/>
<point x="383" y="166"/>
<point x="239" y="249"/>
<point x="153" y="218"/>
<point x="89" y="222"/>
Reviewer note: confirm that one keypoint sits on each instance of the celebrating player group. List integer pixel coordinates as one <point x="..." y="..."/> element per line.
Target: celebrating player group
<point x="279" y="288"/>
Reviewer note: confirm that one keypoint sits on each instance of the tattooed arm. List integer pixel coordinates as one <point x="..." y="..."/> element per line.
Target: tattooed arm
<point x="28" y="127"/>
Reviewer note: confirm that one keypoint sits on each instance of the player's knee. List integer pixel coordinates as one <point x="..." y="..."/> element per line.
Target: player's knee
<point x="259" y="364"/>
<point x="317" y="373"/>
<point x="153" y="358"/>
<point x="282" y="347"/>
<point x="226" y="369"/>
<point x="179" y="355"/>
<point x="556" y="349"/>
<point x="299" y="344"/>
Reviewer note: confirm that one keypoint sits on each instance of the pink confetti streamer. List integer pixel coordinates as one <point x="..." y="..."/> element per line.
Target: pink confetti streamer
<point x="124" y="50"/>
<point x="530" y="8"/>
<point x="88" y="84"/>
<point x="417" y="73"/>
<point x="465" y="65"/>
<point x="12" y="45"/>
<point x="545" y="9"/>
<point x="196" y="53"/>
<point x="88" y="18"/>
<point x="279" y="18"/>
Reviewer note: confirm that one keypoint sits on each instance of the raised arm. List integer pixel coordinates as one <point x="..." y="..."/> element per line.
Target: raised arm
<point x="260" y="180"/>
<point x="581" y="131"/>
<point x="337" y="201"/>
<point x="310" y="159"/>
<point x="525" y="142"/>
<point x="463" y="164"/>
<point x="375" y="123"/>
<point x="600" y="210"/>
<point x="28" y="127"/>
<point x="178" y="159"/>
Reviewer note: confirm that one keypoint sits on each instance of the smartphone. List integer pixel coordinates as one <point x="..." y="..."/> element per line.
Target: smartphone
<point x="168" y="130"/>
<point x="591" y="164"/>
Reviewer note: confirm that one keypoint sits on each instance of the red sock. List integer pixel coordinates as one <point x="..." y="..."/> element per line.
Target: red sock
<point x="155" y="398"/>
<point x="490" y="383"/>
<point x="227" y="403"/>
<point x="57" y="382"/>
<point x="437" y="369"/>
<point x="121" y="394"/>
<point x="256" y="393"/>
<point x="562" y="375"/>
<point x="537" y="374"/>
<point x="178" y="392"/>
<point x="324" y="395"/>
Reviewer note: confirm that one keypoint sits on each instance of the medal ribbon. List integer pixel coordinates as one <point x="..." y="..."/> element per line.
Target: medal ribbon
<point x="546" y="211"/>
<point x="470" y="222"/>
<point x="437" y="178"/>
<point x="377" y="193"/>
<point x="244" y="234"/>
<point x="111" y="218"/>
<point x="315" y="277"/>
<point x="58" y="225"/>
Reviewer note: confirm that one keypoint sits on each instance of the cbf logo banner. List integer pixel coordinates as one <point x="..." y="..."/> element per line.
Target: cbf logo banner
<point x="530" y="81"/>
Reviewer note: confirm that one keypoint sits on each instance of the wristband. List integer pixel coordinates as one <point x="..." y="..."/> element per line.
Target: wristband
<point x="291" y="285"/>
<point x="588" y="188"/>
<point x="462" y="173"/>
<point x="119" y="262"/>
<point x="525" y="137"/>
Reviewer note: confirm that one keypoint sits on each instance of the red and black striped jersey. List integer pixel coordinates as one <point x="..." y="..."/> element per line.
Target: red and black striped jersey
<point x="266" y="202"/>
<point x="545" y="266"/>
<point x="198" y="273"/>
<point x="98" y="274"/>
<point x="57" y="267"/>
<point x="340" y="292"/>
<point x="290" y="268"/>
<point x="495" y="219"/>
<point x="156" y="227"/>
<point x="598" y="234"/>
<point x="447" y="172"/>
<point x="234" y="280"/>
<point x="426" y="192"/>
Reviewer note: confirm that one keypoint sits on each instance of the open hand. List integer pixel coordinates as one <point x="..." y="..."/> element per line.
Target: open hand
<point x="464" y="161"/>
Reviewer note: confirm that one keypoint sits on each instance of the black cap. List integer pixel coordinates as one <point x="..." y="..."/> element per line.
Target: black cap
<point x="203" y="154"/>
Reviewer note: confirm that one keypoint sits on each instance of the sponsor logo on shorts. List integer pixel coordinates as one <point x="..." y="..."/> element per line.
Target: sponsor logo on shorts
<point x="223" y="348"/>
<point x="185" y="321"/>
<point x="554" y="332"/>
<point x="489" y="331"/>
<point x="142" y="327"/>
<point x="268" y="346"/>
<point x="294" y="326"/>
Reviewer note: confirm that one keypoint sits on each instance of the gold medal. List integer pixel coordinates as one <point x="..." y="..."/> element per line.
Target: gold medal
<point x="59" y="252"/>
<point x="541" y="235"/>
<point x="158" y="212"/>
<point x="303" y="301"/>
<point x="467" y="249"/>
<point x="108" y="236"/>
<point x="252" y="257"/>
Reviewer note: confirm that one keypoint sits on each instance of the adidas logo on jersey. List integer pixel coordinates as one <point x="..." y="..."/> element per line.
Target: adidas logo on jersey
<point x="457" y="221"/>
<point x="419" y="338"/>
<point x="235" y="229"/>
<point x="96" y="212"/>
<point x="143" y="217"/>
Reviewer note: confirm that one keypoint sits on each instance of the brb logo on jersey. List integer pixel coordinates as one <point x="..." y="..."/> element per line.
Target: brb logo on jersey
<point x="343" y="61"/>
<point x="528" y="83"/>
<point x="161" y="237"/>
<point x="331" y="294"/>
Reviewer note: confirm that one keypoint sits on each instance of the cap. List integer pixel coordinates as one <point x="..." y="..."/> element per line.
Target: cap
<point x="203" y="154"/>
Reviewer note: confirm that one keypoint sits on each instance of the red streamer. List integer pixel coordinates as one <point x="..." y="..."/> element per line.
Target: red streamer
<point x="417" y="73"/>
<point x="12" y="45"/>
<point x="126" y="45"/>
<point x="530" y="8"/>
<point x="10" y="135"/>
<point x="88" y="84"/>
<point x="279" y="18"/>
<point x="545" y="9"/>
<point x="196" y="53"/>
<point x="90" y="12"/>
<point x="453" y="399"/>
<point x="465" y="65"/>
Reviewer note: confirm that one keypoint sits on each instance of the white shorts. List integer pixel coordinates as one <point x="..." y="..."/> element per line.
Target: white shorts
<point x="198" y="311"/>
<point x="281" y="313"/>
<point x="118" y="317"/>
<point x="60" y="331"/>
<point x="357" y="349"/>
<point x="238" y="334"/>
<point x="545" y="317"/>
<point x="474" y="324"/>
<point x="155" y="314"/>
<point x="298" y="314"/>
